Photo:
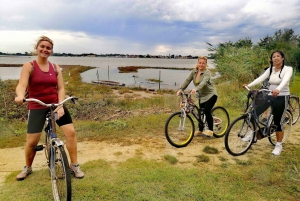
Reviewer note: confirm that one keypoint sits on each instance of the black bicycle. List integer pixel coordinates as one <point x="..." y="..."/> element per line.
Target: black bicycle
<point x="55" y="154"/>
<point x="246" y="129"/>
<point x="180" y="127"/>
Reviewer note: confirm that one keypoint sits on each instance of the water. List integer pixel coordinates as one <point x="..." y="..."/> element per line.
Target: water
<point x="107" y="68"/>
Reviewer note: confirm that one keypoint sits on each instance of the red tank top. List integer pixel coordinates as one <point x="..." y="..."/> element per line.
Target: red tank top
<point x="42" y="86"/>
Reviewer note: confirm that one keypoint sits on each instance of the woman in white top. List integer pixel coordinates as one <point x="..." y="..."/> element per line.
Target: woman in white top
<point x="279" y="78"/>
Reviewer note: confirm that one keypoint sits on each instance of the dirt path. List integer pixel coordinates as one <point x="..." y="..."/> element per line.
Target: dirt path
<point x="12" y="159"/>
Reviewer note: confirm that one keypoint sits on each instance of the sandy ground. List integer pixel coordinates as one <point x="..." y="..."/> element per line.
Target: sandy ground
<point x="151" y="148"/>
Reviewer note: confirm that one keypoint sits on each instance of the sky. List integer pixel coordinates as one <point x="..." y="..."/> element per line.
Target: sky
<point x="156" y="27"/>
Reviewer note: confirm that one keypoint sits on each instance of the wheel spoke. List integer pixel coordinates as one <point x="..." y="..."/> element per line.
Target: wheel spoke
<point x="221" y="121"/>
<point x="60" y="174"/>
<point x="179" y="129"/>
<point x="236" y="135"/>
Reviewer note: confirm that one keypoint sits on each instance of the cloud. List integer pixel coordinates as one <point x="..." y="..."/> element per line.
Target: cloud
<point x="141" y="27"/>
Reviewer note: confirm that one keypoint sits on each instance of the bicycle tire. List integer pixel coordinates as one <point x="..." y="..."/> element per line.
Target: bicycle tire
<point x="294" y="107"/>
<point x="221" y="121"/>
<point x="236" y="131"/>
<point x="60" y="174"/>
<point x="287" y="125"/>
<point x="178" y="132"/>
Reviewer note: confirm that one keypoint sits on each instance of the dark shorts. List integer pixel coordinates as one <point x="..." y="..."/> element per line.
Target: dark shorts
<point x="36" y="120"/>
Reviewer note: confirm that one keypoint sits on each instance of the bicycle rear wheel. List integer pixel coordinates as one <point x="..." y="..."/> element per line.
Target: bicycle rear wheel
<point x="294" y="108"/>
<point x="60" y="174"/>
<point x="221" y="121"/>
<point x="287" y="126"/>
<point x="238" y="131"/>
<point x="179" y="129"/>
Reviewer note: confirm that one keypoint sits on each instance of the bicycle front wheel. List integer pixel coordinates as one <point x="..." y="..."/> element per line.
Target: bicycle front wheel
<point x="179" y="129"/>
<point x="287" y="126"/>
<point x="239" y="136"/>
<point x="60" y="174"/>
<point x="294" y="108"/>
<point x="221" y="121"/>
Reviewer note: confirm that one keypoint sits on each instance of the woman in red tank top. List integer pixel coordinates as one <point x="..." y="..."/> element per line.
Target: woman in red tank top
<point x="46" y="84"/>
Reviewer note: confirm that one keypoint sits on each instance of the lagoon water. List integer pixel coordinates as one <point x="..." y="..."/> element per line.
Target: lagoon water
<point x="107" y="68"/>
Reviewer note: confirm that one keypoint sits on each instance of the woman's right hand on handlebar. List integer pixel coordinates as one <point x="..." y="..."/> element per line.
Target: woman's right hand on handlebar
<point x="19" y="99"/>
<point x="178" y="92"/>
<point x="193" y="91"/>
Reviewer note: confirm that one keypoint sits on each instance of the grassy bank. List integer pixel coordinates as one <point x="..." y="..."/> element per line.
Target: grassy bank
<point x="101" y="115"/>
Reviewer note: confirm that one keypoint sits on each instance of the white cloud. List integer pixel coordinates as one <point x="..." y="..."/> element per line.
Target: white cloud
<point x="138" y="27"/>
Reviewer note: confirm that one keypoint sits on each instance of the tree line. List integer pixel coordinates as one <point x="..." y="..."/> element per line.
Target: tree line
<point x="242" y="61"/>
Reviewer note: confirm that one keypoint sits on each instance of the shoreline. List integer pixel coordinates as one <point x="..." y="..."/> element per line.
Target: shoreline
<point x="129" y="69"/>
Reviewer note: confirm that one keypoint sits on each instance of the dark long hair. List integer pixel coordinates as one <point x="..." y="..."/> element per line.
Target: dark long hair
<point x="271" y="62"/>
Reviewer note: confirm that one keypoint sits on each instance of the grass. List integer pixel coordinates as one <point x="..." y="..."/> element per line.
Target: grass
<point x="127" y="121"/>
<point x="171" y="159"/>
<point x="138" y="179"/>
<point x="202" y="158"/>
<point x="210" y="150"/>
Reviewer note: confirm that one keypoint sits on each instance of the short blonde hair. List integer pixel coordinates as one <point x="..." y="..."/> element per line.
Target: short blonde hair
<point x="43" y="38"/>
<point x="201" y="57"/>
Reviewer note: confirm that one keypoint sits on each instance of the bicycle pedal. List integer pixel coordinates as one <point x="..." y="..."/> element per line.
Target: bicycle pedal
<point x="39" y="147"/>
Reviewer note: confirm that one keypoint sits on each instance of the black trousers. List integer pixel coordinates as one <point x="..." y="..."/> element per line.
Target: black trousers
<point x="278" y="105"/>
<point x="207" y="106"/>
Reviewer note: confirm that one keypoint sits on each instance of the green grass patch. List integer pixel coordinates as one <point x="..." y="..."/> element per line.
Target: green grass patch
<point x="202" y="158"/>
<point x="210" y="150"/>
<point x="171" y="159"/>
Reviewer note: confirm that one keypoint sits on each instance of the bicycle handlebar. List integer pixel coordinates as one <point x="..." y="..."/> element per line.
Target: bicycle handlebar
<point x="188" y="94"/>
<point x="51" y="104"/>
<point x="267" y="90"/>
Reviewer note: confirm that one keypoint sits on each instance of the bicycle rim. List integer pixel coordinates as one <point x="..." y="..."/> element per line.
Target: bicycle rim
<point x="179" y="131"/>
<point x="287" y="126"/>
<point x="237" y="130"/>
<point x="221" y="121"/>
<point x="294" y="108"/>
<point x="60" y="174"/>
<point x="47" y="145"/>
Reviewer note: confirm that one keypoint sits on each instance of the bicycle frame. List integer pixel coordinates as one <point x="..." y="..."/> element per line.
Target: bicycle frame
<point x="51" y="118"/>
<point x="264" y="128"/>
<point x="189" y="107"/>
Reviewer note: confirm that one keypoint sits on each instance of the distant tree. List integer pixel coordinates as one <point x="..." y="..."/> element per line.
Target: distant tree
<point x="247" y="42"/>
<point x="242" y="61"/>
<point x="226" y="44"/>
<point x="295" y="60"/>
<point x="281" y="40"/>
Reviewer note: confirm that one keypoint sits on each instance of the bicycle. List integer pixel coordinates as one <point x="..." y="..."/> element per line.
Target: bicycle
<point x="294" y="106"/>
<point x="55" y="153"/>
<point x="180" y="127"/>
<point x="250" y="125"/>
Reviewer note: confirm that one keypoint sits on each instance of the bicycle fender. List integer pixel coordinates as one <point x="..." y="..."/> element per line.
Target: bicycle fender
<point x="57" y="142"/>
